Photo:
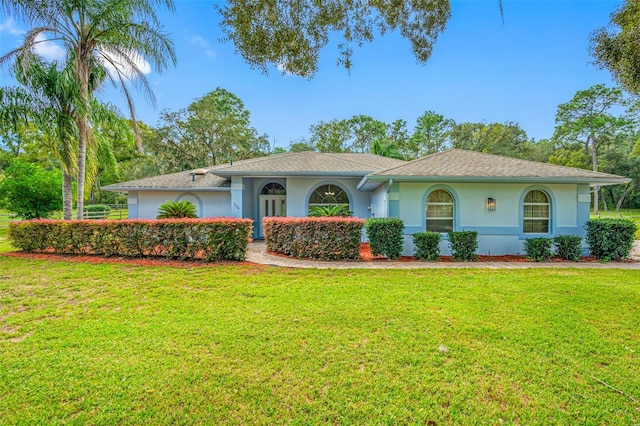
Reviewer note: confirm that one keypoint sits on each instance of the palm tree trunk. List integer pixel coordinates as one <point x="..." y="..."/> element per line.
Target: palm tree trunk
<point x="594" y="160"/>
<point x="82" y="73"/>
<point x="67" y="195"/>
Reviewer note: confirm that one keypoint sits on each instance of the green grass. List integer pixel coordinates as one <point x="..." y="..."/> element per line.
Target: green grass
<point x="120" y="344"/>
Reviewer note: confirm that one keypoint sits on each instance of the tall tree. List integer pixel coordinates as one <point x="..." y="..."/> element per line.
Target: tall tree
<point x="590" y="119"/>
<point x="291" y="34"/>
<point x="96" y="33"/>
<point x="330" y="136"/>
<point x="431" y="134"/>
<point x="616" y="46"/>
<point x="494" y="138"/>
<point x="365" y="130"/>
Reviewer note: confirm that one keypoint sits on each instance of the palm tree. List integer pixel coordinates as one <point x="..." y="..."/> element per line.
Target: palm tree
<point x="117" y="34"/>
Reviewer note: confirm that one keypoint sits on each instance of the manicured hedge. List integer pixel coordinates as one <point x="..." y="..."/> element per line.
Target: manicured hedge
<point x="538" y="249"/>
<point x="96" y="211"/>
<point x="385" y="236"/>
<point x="210" y="239"/>
<point x="568" y="247"/>
<point x="322" y="238"/>
<point x="610" y="239"/>
<point x="427" y="245"/>
<point x="464" y="245"/>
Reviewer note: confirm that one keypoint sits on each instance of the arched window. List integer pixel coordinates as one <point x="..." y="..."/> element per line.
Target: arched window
<point x="328" y="195"/>
<point x="273" y="188"/>
<point x="440" y="207"/>
<point x="536" y="211"/>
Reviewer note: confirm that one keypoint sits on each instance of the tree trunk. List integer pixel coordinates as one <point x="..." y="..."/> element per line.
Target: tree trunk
<point x="83" y="131"/>
<point x="594" y="160"/>
<point x="604" y="200"/>
<point x="626" y="192"/>
<point x="67" y="195"/>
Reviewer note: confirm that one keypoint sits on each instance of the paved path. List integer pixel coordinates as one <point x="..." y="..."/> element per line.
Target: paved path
<point x="257" y="254"/>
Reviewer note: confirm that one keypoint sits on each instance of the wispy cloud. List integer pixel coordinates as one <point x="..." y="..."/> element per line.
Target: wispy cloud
<point x="204" y="45"/>
<point x="283" y="69"/>
<point x="9" y="26"/>
<point x="115" y="62"/>
<point x="48" y="49"/>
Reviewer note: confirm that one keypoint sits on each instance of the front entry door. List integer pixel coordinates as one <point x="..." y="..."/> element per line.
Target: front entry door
<point x="272" y="205"/>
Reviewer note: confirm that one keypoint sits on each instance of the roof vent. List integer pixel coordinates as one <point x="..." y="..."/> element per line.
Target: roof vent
<point x="198" y="172"/>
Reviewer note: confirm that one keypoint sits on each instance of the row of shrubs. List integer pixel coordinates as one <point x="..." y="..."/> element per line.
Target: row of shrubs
<point x="209" y="239"/>
<point x="608" y="239"/>
<point x="320" y="238"/>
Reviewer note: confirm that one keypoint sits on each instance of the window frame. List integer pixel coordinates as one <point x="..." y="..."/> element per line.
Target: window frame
<point x="437" y="203"/>
<point x="525" y="219"/>
<point x="315" y="188"/>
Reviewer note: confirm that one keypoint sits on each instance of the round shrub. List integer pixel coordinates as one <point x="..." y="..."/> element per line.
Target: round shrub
<point x="538" y="249"/>
<point x="568" y="247"/>
<point x="385" y="236"/>
<point x="427" y="245"/>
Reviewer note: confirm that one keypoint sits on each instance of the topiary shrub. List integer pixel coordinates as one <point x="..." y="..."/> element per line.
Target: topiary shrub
<point x="177" y="210"/>
<point x="427" y="245"/>
<point x="464" y="245"/>
<point x="538" y="249"/>
<point x="96" y="211"/>
<point x="610" y="239"/>
<point x="320" y="238"/>
<point x="568" y="247"/>
<point x="385" y="236"/>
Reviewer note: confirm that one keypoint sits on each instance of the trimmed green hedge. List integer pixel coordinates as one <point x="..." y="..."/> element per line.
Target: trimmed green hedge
<point x="321" y="238"/>
<point x="385" y="236"/>
<point x="610" y="239"/>
<point x="538" y="249"/>
<point x="427" y="245"/>
<point x="97" y="211"/>
<point x="210" y="239"/>
<point x="464" y="245"/>
<point x="568" y="247"/>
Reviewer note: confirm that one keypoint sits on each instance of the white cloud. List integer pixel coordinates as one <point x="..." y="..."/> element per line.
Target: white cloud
<point x="204" y="45"/>
<point x="113" y="60"/>
<point x="48" y="49"/>
<point x="283" y="69"/>
<point x="9" y="26"/>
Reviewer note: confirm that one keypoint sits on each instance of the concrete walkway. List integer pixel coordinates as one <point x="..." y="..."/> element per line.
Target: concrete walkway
<point x="257" y="253"/>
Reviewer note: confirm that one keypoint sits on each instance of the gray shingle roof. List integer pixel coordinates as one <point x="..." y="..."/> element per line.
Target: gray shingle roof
<point x="292" y="163"/>
<point x="467" y="165"/>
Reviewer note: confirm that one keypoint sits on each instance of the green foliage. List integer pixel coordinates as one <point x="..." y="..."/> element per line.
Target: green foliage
<point x="464" y="245"/>
<point x="385" y="236"/>
<point x="427" y="245"/>
<point x="616" y="49"/>
<point x="507" y="139"/>
<point x="320" y="238"/>
<point x="176" y="210"/>
<point x="208" y="239"/>
<point x="97" y="211"/>
<point x="268" y="33"/>
<point x="30" y="191"/>
<point x="330" y="210"/>
<point x="568" y="247"/>
<point x="610" y="239"/>
<point x="538" y="249"/>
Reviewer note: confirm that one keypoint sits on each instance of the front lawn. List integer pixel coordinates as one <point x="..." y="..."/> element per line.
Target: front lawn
<point x="121" y="344"/>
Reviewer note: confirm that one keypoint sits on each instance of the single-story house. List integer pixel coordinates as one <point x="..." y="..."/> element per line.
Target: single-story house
<point x="506" y="200"/>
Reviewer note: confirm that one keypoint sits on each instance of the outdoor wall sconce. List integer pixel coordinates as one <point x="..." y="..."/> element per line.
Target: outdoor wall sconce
<point x="491" y="204"/>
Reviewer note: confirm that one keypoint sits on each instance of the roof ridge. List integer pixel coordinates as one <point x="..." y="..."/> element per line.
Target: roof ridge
<point x="253" y="160"/>
<point x="331" y="154"/>
<point x="406" y="163"/>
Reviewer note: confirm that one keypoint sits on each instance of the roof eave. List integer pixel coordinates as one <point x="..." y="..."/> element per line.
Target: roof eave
<point x="287" y="174"/>
<point x="504" y="179"/>
<point x="115" y="188"/>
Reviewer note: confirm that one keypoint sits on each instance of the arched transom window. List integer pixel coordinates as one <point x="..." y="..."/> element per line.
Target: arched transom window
<point x="328" y="195"/>
<point x="273" y="188"/>
<point x="440" y="206"/>
<point x="536" y="212"/>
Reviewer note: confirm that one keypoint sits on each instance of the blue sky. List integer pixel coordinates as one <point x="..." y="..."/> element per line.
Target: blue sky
<point x="480" y="70"/>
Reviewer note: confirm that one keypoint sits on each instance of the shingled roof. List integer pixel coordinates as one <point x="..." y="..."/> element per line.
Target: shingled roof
<point x="462" y="165"/>
<point x="288" y="164"/>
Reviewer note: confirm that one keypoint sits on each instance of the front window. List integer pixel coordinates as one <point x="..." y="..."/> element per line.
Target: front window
<point x="440" y="207"/>
<point x="536" y="212"/>
<point x="328" y="195"/>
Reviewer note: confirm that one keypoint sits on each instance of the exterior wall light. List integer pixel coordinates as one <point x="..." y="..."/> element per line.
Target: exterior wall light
<point x="491" y="204"/>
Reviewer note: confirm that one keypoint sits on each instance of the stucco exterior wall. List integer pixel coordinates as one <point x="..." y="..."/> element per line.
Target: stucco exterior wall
<point x="500" y="231"/>
<point x="208" y="204"/>
<point x="379" y="205"/>
<point x="299" y="189"/>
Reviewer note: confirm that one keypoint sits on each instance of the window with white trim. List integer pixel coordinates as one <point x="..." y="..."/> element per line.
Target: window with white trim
<point x="328" y="195"/>
<point x="536" y="212"/>
<point x="440" y="207"/>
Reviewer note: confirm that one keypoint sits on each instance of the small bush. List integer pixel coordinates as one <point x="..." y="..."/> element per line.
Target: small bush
<point x="538" y="249"/>
<point x="463" y="245"/>
<point x="96" y="211"/>
<point x="209" y="239"/>
<point x="427" y="245"/>
<point x="610" y="239"/>
<point x="568" y="247"/>
<point x="385" y="236"/>
<point x="341" y="210"/>
<point x="177" y="210"/>
<point x="321" y="238"/>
